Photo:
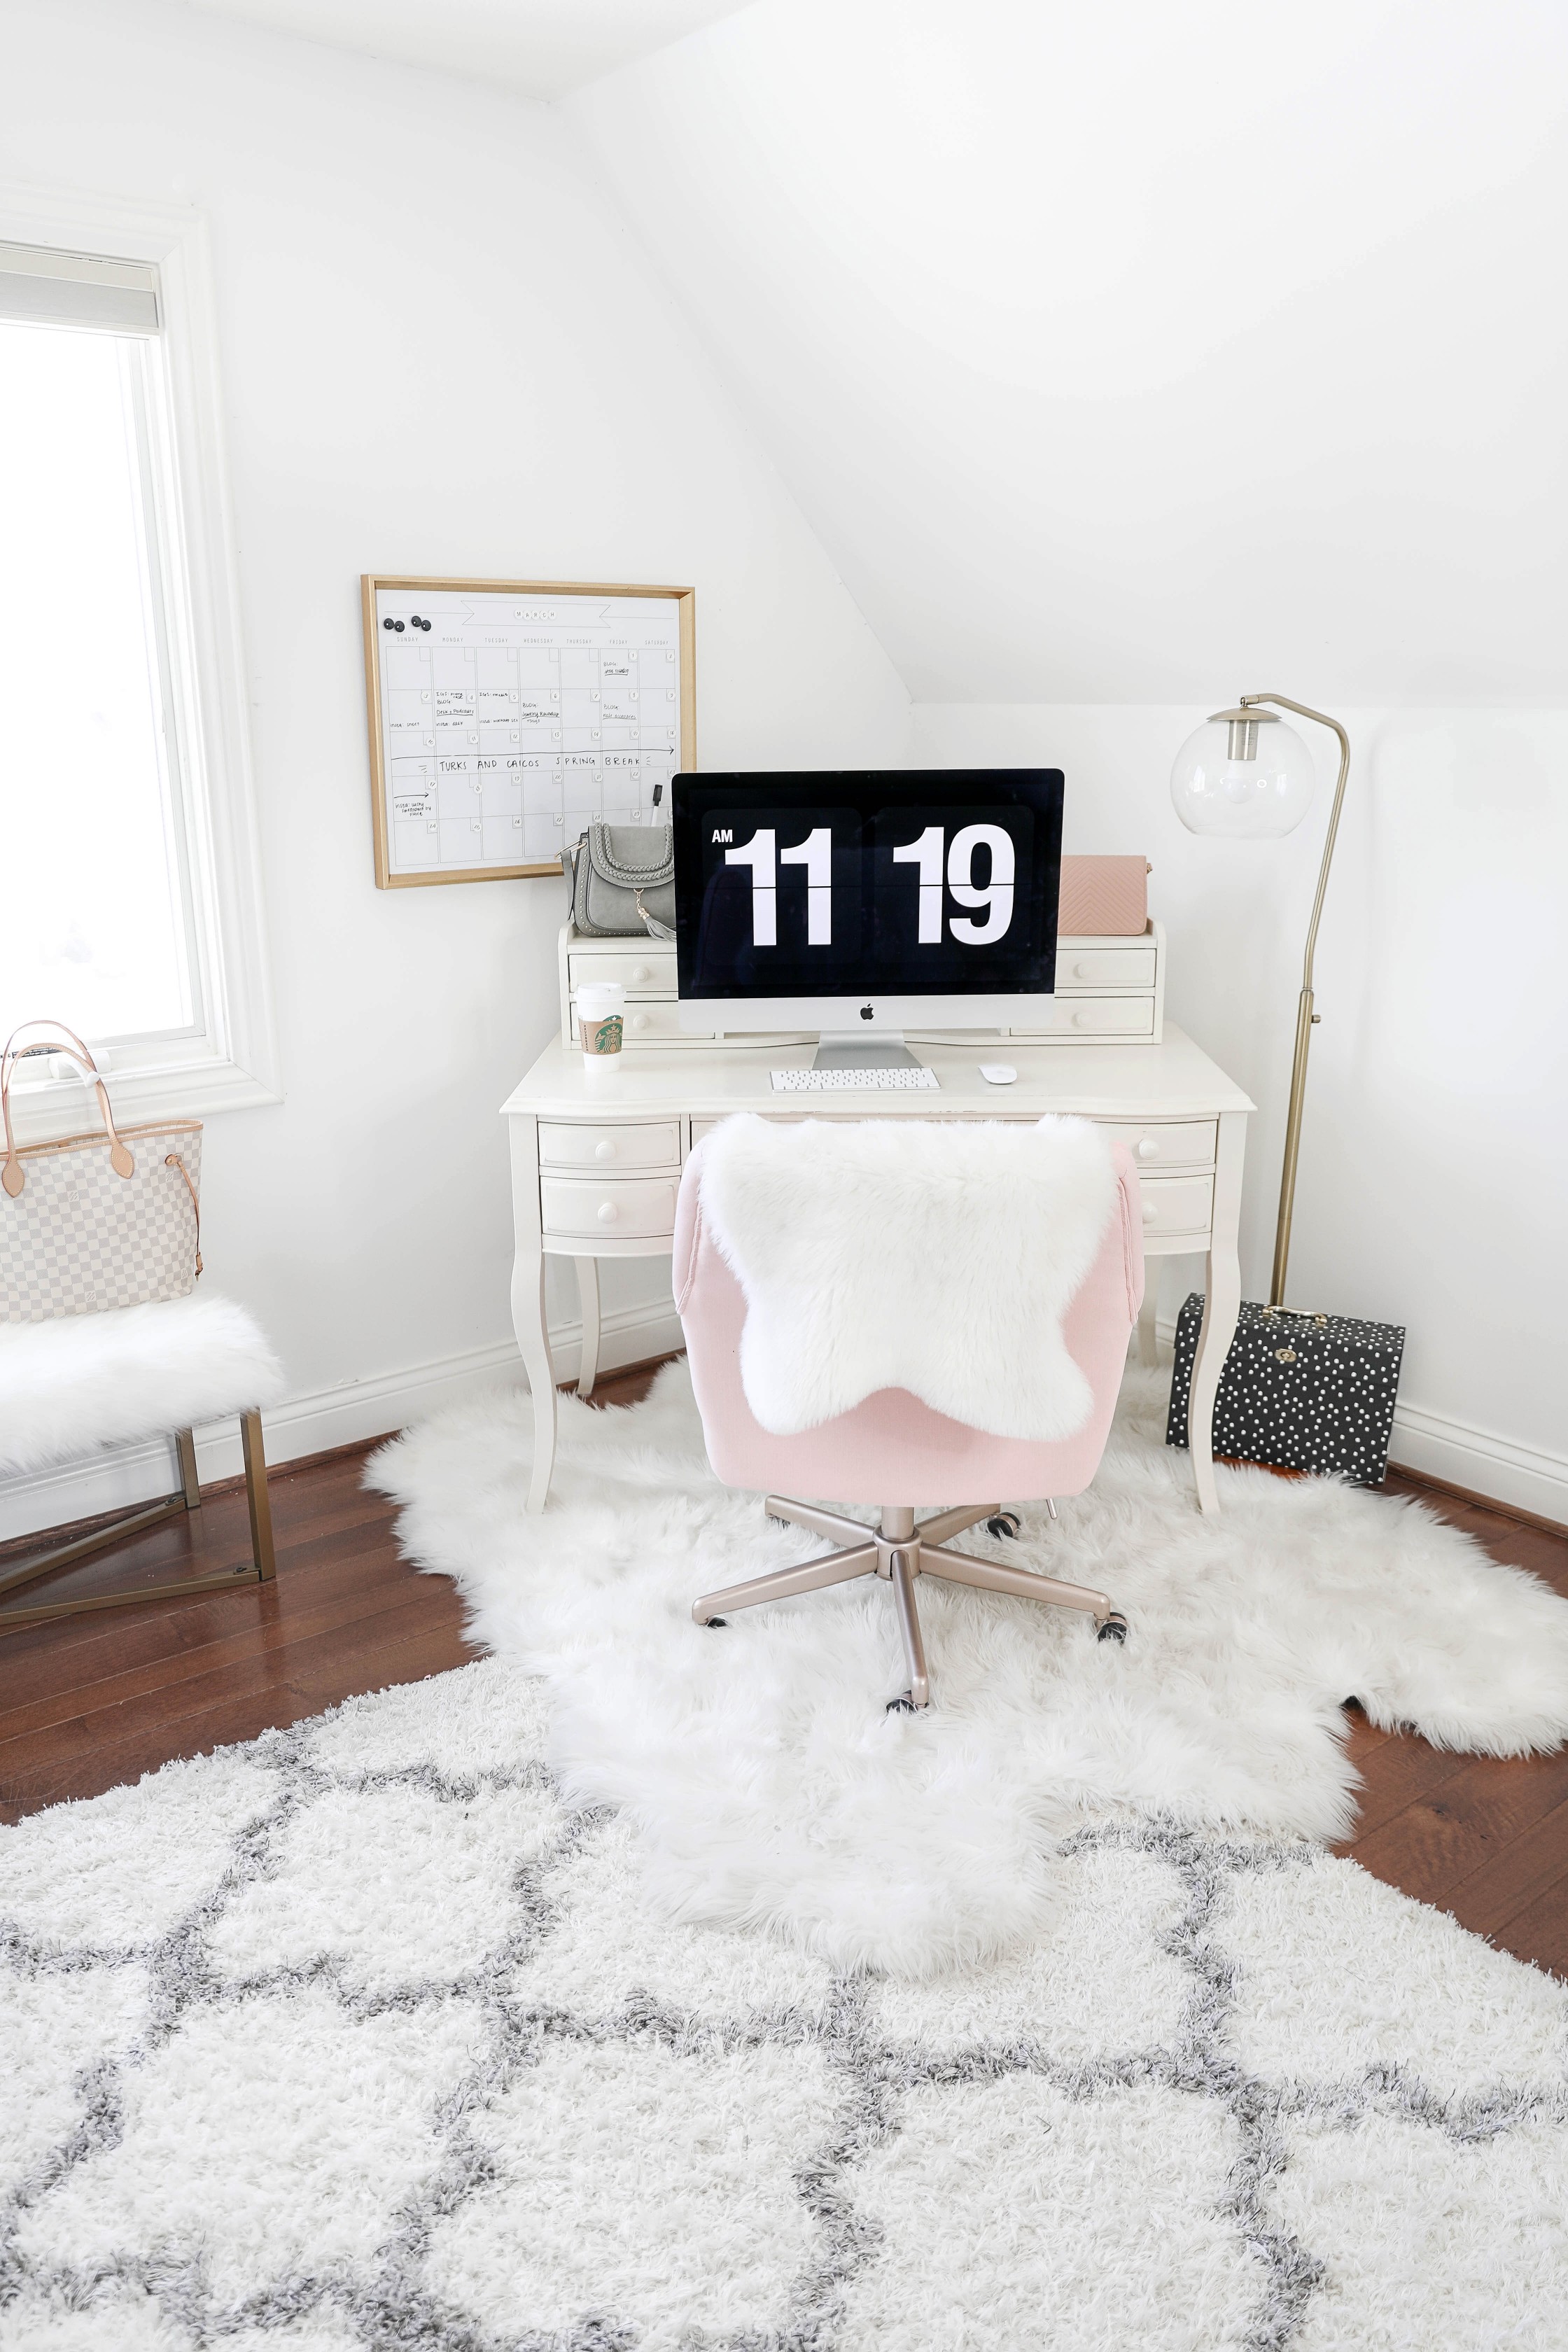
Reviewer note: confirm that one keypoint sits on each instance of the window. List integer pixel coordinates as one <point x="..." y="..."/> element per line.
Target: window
<point x="128" y="904"/>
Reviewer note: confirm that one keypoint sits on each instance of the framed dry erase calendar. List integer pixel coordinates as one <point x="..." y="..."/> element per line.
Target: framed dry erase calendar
<point x="504" y="714"/>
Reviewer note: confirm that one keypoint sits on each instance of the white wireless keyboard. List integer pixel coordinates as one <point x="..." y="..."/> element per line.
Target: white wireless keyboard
<point x="790" y="1082"/>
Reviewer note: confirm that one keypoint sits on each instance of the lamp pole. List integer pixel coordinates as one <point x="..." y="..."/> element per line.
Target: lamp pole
<point x="1305" y="1016"/>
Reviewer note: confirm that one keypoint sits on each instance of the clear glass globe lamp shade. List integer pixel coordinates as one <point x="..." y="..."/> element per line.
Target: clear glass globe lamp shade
<point x="1252" y="782"/>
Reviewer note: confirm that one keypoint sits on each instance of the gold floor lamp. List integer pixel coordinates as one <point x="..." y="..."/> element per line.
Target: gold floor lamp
<point x="1247" y="775"/>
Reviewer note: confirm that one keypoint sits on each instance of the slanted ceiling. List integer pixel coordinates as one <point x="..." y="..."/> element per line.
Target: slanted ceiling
<point x="1141" y="351"/>
<point x="538" y="48"/>
<point x="1132" y="351"/>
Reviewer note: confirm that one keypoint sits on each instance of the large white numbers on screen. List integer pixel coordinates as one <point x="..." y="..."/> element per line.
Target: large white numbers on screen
<point x="926" y="855"/>
<point x="759" y="855"/>
<point x="815" y="853"/>
<point x="997" y="896"/>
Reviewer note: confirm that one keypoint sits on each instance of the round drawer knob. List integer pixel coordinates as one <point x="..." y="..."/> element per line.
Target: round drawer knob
<point x="1150" y="1211"/>
<point x="639" y="1020"/>
<point x="608" y="1212"/>
<point x="641" y="971"/>
<point x="1081" y="971"/>
<point x="606" y="1150"/>
<point x="1147" y="1149"/>
<point x="1081" y="1019"/>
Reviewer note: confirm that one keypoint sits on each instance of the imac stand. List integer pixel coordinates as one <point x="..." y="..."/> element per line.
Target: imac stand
<point x="843" y="1049"/>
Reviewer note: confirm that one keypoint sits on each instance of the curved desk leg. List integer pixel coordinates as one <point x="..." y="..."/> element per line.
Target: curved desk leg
<point x="528" y="1304"/>
<point x="1221" y="1307"/>
<point x="588" y="1300"/>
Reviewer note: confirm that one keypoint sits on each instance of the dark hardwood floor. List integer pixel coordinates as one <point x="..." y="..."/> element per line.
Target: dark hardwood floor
<point x="1482" y="1837"/>
<point x="89" y="1702"/>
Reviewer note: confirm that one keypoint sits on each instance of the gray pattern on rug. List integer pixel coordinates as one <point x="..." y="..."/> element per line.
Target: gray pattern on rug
<point x="355" y="2037"/>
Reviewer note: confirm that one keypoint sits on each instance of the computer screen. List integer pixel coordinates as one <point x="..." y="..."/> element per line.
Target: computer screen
<point x="889" y="885"/>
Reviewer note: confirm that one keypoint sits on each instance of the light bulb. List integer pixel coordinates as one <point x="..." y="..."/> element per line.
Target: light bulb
<point x="1244" y="774"/>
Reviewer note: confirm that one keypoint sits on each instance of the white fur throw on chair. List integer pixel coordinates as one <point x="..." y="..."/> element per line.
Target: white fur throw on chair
<point x="80" y="1381"/>
<point x="913" y="1255"/>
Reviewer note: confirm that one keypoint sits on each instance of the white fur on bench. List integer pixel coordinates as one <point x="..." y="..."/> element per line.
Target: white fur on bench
<point x="907" y="1254"/>
<point x="81" y="1382"/>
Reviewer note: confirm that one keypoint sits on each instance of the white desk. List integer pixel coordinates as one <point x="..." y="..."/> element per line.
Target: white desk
<point x="595" y="1168"/>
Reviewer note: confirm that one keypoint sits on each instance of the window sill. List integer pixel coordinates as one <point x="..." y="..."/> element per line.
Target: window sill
<point x="196" y="1090"/>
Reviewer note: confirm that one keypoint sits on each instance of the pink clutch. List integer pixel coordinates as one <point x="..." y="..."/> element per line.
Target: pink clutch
<point x="1108" y="895"/>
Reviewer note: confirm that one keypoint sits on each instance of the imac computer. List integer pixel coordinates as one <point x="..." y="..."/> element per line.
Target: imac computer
<point x="863" y="903"/>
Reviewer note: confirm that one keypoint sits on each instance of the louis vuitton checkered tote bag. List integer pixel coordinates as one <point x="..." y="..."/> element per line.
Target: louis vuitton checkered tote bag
<point x="108" y="1219"/>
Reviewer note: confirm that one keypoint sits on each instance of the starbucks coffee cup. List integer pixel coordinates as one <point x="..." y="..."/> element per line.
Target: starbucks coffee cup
<point x="601" y="1016"/>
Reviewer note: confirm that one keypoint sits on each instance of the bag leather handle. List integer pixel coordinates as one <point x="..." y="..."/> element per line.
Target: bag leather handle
<point x="173" y="1160"/>
<point x="11" y="1175"/>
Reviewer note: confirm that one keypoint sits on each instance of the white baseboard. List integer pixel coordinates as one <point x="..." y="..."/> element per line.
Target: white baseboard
<point x="1481" y="1461"/>
<point x="314" y="1424"/>
<point x="1424" y="1442"/>
<point x="1431" y="1444"/>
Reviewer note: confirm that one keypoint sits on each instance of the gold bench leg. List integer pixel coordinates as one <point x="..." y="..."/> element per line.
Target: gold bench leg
<point x="257" y="1496"/>
<point x="189" y="1498"/>
<point x="191" y="1486"/>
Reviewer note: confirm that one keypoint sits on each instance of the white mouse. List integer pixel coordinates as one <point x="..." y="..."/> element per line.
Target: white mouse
<point x="998" y="1074"/>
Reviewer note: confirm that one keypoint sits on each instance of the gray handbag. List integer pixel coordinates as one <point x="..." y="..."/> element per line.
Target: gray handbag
<point x="91" y="1222"/>
<point x="620" y="880"/>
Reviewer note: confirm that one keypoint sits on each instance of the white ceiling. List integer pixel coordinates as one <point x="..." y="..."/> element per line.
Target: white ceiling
<point x="540" y="48"/>
<point x="1141" y="353"/>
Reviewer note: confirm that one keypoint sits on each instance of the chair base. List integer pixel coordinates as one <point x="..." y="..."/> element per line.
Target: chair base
<point x="901" y="1551"/>
<point x="262" y="1570"/>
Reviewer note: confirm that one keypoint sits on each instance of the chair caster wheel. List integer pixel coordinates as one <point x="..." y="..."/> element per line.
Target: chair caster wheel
<point x="1113" y="1630"/>
<point x="1005" y="1523"/>
<point x="902" y="1705"/>
<point x="712" y="1622"/>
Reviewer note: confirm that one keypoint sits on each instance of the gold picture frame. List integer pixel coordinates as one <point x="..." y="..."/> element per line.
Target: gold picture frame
<point x="389" y="873"/>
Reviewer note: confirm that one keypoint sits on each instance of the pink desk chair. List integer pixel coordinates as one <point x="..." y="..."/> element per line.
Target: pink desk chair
<point x="892" y="1443"/>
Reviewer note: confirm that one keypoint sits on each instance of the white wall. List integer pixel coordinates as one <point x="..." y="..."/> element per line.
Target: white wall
<point x="1431" y="1184"/>
<point x="442" y="353"/>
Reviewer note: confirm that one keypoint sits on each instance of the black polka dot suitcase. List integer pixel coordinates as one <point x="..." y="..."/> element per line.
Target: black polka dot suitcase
<point x="1297" y="1392"/>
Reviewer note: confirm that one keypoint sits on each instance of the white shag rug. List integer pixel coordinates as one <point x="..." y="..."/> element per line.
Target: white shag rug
<point x="769" y="1788"/>
<point x="357" y="2040"/>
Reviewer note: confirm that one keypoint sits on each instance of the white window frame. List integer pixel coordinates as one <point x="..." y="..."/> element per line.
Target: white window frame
<point x="229" y="1062"/>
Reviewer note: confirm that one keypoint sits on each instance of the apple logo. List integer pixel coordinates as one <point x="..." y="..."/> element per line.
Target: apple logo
<point x="866" y="1013"/>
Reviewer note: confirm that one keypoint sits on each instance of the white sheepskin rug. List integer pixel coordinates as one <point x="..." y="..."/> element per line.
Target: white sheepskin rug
<point x="359" y="2039"/>
<point x="854" y="1242"/>
<point x="755" y="1763"/>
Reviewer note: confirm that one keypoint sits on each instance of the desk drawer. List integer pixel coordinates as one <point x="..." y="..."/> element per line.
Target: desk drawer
<point x="639" y="972"/>
<point x="1103" y="968"/>
<point x="652" y="1021"/>
<point x="1176" y="1204"/>
<point x="622" y="1209"/>
<point x="1091" y="1016"/>
<point x="1185" y="1143"/>
<point x="609" y="1149"/>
